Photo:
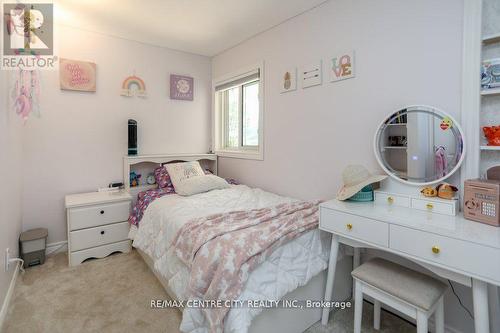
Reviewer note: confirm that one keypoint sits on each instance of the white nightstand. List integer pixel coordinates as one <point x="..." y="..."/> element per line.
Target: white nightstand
<point x="97" y="225"/>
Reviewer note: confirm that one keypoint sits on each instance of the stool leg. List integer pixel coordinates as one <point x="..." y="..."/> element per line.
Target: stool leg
<point x="376" y="315"/>
<point x="358" y="307"/>
<point x="439" y="316"/>
<point x="421" y="322"/>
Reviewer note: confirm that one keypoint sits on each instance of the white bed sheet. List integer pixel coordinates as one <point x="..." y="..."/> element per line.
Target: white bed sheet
<point x="289" y="267"/>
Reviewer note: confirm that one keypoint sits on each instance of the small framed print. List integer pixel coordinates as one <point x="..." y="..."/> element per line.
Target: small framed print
<point x="77" y="75"/>
<point x="289" y="80"/>
<point x="181" y="87"/>
<point x="311" y="75"/>
<point x="342" y="67"/>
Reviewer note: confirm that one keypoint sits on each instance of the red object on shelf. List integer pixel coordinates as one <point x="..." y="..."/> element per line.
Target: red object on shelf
<point x="492" y="134"/>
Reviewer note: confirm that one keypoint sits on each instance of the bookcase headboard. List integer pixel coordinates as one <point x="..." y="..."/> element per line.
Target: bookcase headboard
<point x="208" y="161"/>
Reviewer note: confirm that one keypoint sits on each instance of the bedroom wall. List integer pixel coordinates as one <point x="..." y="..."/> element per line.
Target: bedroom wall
<point x="407" y="52"/>
<point x="11" y="187"/>
<point x="78" y="143"/>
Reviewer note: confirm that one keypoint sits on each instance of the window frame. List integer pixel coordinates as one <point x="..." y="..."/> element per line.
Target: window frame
<point x="219" y="141"/>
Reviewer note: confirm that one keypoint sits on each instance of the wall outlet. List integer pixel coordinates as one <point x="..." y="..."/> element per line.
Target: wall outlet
<point x="7" y="259"/>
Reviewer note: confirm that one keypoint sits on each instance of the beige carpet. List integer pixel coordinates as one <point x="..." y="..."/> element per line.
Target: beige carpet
<point x="106" y="295"/>
<point x="114" y="295"/>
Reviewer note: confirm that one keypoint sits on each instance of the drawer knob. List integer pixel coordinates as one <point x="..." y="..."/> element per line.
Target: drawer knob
<point x="102" y="232"/>
<point x="102" y="212"/>
<point x="429" y="206"/>
<point x="390" y="200"/>
<point x="348" y="226"/>
<point x="436" y="249"/>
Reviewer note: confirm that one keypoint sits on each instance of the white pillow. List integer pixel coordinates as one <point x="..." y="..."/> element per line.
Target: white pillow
<point x="179" y="172"/>
<point x="200" y="184"/>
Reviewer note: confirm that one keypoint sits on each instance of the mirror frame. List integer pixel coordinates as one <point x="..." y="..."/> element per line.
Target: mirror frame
<point x="428" y="108"/>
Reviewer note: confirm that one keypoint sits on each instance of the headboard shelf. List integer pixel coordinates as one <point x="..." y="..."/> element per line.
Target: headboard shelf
<point x="207" y="160"/>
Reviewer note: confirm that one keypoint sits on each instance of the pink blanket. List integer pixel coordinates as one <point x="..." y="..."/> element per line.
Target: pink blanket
<point x="222" y="249"/>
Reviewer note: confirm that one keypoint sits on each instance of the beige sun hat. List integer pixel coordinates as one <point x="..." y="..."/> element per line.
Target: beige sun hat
<point x="355" y="177"/>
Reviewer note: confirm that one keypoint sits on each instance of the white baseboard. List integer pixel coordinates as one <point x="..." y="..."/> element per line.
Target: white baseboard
<point x="8" y="296"/>
<point x="56" y="247"/>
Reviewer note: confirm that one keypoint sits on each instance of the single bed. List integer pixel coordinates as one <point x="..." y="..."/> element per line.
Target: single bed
<point x="295" y="270"/>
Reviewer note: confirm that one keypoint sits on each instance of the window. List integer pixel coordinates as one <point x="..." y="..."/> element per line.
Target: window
<point x="238" y="116"/>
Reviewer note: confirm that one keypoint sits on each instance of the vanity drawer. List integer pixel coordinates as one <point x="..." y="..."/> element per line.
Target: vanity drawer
<point x="92" y="216"/>
<point x="87" y="238"/>
<point x="460" y="255"/>
<point x="383" y="198"/>
<point x="355" y="227"/>
<point x="434" y="206"/>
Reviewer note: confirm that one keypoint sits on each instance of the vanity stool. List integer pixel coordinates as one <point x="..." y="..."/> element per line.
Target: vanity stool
<point x="415" y="294"/>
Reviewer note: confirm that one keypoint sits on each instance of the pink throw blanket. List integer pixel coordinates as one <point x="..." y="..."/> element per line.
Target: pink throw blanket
<point x="222" y="249"/>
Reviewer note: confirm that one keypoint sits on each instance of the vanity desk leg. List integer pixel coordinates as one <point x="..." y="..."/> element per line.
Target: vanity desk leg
<point x="480" y="299"/>
<point x="356" y="261"/>
<point x="334" y="251"/>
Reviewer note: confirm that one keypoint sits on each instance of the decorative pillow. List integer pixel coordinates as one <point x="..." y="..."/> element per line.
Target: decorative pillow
<point x="179" y="172"/>
<point x="200" y="184"/>
<point x="162" y="178"/>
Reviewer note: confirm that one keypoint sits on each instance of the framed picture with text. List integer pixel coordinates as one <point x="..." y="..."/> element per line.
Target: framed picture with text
<point x="181" y="87"/>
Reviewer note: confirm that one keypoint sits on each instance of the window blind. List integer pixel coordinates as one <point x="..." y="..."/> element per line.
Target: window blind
<point x="238" y="81"/>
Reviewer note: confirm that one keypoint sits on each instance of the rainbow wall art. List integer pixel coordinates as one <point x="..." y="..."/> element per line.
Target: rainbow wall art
<point x="133" y="85"/>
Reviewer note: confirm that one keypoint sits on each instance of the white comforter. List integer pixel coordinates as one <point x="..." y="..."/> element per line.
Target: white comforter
<point x="290" y="266"/>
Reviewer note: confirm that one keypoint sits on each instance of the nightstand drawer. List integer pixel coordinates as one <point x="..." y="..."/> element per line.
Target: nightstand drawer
<point x="466" y="256"/>
<point x="355" y="227"/>
<point x="87" y="238"/>
<point x="383" y="198"/>
<point x="92" y="216"/>
<point x="434" y="206"/>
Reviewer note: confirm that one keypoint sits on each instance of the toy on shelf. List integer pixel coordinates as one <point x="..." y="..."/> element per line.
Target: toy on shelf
<point x="446" y="191"/>
<point x="443" y="191"/>
<point x="490" y="74"/>
<point x="150" y="179"/>
<point x="492" y="134"/>
<point x="134" y="179"/>
<point x="429" y="192"/>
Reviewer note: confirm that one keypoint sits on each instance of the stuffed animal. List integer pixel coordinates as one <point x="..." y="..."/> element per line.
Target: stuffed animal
<point x="134" y="179"/>
<point x="446" y="191"/>
<point x="429" y="192"/>
<point x="492" y="134"/>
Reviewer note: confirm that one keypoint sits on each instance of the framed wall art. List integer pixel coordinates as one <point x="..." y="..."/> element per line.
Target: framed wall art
<point x="77" y="75"/>
<point x="289" y="80"/>
<point x="181" y="87"/>
<point x="311" y="75"/>
<point x="342" y="67"/>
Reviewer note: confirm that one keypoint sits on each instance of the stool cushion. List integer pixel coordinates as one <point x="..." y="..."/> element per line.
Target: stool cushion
<point x="413" y="287"/>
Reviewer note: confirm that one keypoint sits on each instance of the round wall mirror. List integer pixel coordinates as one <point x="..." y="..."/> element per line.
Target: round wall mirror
<point x="419" y="145"/>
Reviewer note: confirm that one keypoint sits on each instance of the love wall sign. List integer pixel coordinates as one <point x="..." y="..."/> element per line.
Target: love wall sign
<point x="342" y="67"/>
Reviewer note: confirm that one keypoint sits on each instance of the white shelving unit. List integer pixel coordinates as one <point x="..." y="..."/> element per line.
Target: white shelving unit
<point x="490" y="105"/>
<point x="490" y="147"/>
<point x="490" y="92"/>
<point x="493" y="38"/>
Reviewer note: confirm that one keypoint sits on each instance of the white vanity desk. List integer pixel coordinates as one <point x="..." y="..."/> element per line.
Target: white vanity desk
<point x="450" y="246"/>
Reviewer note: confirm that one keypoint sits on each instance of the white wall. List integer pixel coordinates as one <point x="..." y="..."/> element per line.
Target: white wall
<point x="407" y="52"/>
<point x="11" y="187"/>
<point x="78" y="143"/>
